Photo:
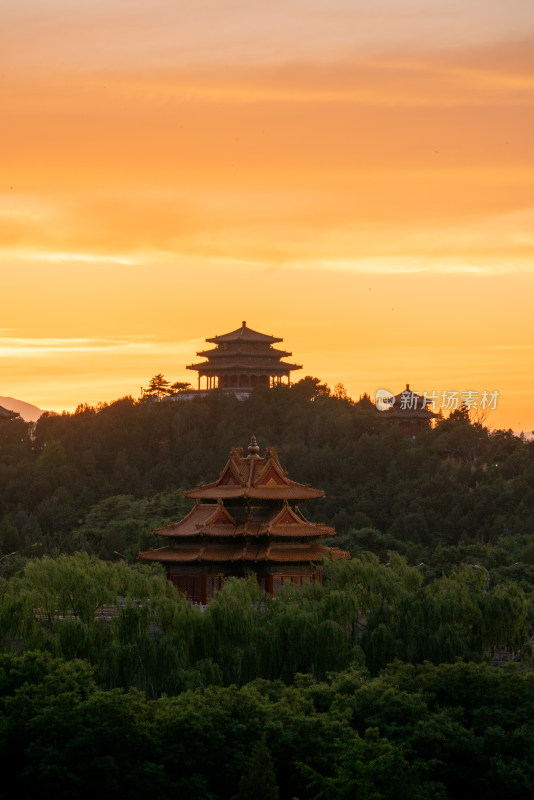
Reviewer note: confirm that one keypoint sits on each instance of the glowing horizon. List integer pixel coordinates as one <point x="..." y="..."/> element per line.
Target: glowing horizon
<point x="353" y="177"/>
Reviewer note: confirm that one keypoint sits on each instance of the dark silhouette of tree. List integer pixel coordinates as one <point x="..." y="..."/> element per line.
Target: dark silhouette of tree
<point x="179" y="386"/>
<point x="158" y="387"/>
<point x="309" y="388"/>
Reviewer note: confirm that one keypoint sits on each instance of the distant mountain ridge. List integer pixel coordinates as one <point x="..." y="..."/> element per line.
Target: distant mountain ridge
<point x="28" y="412"/>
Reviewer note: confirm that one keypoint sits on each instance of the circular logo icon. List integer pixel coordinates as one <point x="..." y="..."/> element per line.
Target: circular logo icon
<point x="384" y="400"/>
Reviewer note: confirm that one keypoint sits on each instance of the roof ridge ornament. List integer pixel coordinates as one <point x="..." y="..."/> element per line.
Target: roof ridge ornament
<point x="253" y="448"/>
<point x="253" y="454"/>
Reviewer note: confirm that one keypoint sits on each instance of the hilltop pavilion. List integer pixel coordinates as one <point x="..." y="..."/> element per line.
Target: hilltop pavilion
<point x="6" y="414"/>
<point x="242" y="360"/>
<point x="410" y="412"/>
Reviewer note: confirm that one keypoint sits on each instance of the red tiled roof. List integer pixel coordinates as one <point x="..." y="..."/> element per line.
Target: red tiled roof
<point x="190" y="524"/>
<point x="214" y="520"/>
<point x="295" y="492"/>
<point x="184" y="553"/>
<point x="254" y="477"/>
<point x="270" y="531"/>
<point x="311" y="530"/>
<point x="237" y="552"/>
<point x="290" y="522"/>
<point x="297" y="552"/>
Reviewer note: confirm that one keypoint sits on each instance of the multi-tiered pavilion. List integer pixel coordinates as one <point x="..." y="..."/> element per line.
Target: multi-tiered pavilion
<point x="242" y="360"/>
<point x="245" y="523"/>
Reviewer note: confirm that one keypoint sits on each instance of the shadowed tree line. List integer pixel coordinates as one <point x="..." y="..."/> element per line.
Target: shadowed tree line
<point x="431" y="732"/>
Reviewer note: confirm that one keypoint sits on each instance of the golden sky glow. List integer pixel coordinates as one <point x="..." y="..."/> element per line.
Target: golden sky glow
<point x="355" y="176"/>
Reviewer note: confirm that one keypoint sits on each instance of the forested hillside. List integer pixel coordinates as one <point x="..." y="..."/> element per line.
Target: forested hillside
<point x="380" y="683"/>
<point x="99" y="480"/>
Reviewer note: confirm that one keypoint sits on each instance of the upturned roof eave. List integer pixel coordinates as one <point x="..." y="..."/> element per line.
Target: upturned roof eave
<point x="220" y="554"/>
<point x="244" y="531"/>
<point x="278" y="367"/>
<point x="216" y="492"/>
<point x="200" y="516"/>
<point x="408" y="413"/>
<point x="244" y="334"/>
<point x="240" y="349"/>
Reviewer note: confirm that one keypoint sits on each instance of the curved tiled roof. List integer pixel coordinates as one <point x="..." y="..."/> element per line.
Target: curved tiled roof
<point x="246" y="349"/>
<point x="254" y="552"/>
<point x="199" y="517"/>
<point x="272" y="366"/>
<point x="213" y="520"/>
<point x="254" y="477"/>
<point x="244" y="334"/>
<point x="232" y="529"/>
<point x="410" y="401"/>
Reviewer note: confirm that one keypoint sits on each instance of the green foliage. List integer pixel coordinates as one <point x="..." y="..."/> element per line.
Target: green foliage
<point x="122" y="525"/>
<point x="80" y="586"/>
<point x="421" y="732"/>
<point x="260" y="781"/>
<point x="138" y="631"/>
<point x="371" y="685"/>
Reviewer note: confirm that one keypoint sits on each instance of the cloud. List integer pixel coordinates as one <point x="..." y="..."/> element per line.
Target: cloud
<point x="139" y="345"/>
<point x="20" y="347"/>
<point x="500" y="71"/>
<point x="512" y="346"/>
<point x="84" y="258"/>
<point x="305" y="231"/>
<point x="65" y="34"/>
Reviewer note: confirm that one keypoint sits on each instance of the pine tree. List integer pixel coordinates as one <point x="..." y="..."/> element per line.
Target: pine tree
<point x="158" y="387"/>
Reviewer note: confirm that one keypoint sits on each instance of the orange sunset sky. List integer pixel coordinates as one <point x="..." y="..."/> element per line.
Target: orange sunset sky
<point x="356" y="176"/>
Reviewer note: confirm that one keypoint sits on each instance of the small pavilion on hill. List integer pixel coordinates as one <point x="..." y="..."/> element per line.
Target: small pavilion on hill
<point x="410" y="412"/>
<point x="6" y="414"/>
<point x="243" y="359"/>
<point x="247" y="522"/>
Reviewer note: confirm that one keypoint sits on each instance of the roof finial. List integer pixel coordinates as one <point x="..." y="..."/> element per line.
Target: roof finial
<point x="244" y="324"/>
<point x="253" y="448"/>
